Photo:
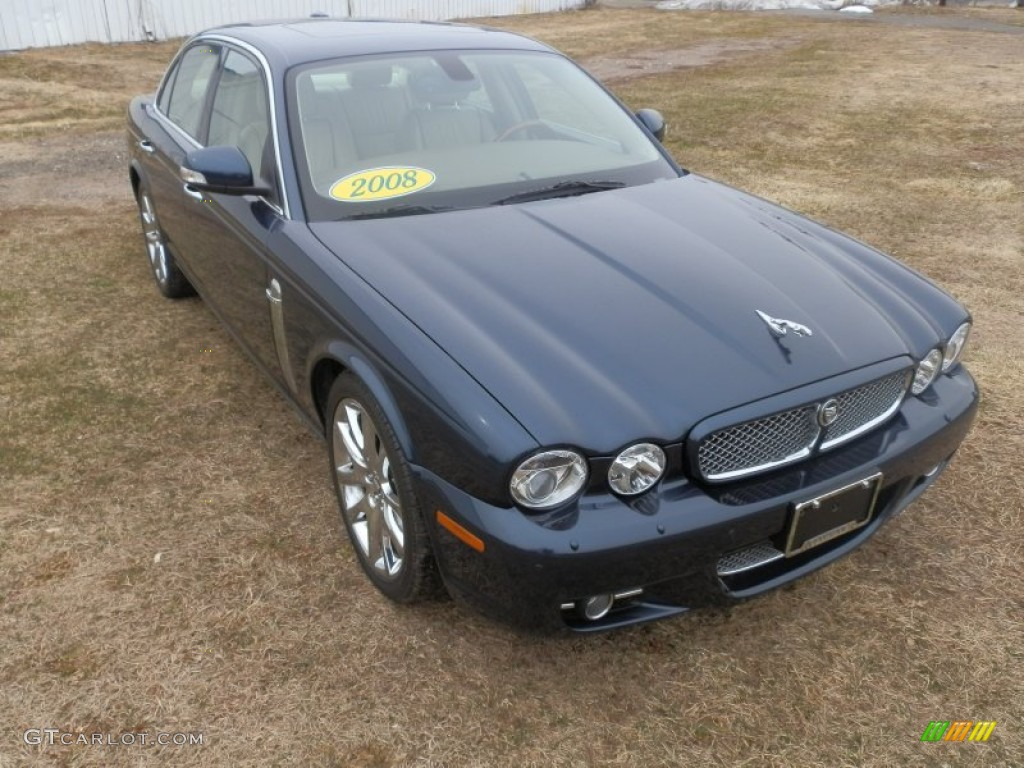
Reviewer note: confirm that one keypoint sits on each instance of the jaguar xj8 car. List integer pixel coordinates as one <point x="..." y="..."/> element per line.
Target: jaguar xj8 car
<point x="557" y="375"/>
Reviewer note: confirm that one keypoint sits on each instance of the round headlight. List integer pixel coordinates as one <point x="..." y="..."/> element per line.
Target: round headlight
<point x="636" y="469"/>
<point x="548" y="479"/>
<point x="926" y="371"/>
<point x="955" y="347"/>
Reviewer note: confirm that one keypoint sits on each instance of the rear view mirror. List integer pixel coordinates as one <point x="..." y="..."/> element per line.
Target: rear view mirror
<point x="220" y="169"/>
<point x="653" y="122"/>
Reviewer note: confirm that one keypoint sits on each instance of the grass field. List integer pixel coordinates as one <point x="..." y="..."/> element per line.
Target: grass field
<point x="170" y="558"/>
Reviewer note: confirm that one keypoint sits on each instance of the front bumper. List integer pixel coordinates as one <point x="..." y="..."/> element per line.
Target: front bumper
<point x="671" y="542"/>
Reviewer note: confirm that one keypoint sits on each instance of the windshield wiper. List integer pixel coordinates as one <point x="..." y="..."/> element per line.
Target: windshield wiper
<point x="561" y="189"/>
<point x="399" y="210"/>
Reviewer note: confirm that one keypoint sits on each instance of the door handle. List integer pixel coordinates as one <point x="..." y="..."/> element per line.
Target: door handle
<point x="147" y="146"/>
<point x="194" y="193"/>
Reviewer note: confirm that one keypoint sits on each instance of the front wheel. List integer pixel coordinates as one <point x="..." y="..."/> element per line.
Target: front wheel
<point x="375" y="493"/>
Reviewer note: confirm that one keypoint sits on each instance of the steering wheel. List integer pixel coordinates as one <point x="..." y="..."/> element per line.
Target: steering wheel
<point x="520" y="127"/>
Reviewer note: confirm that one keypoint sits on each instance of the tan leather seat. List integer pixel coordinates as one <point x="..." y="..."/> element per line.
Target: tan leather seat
<point x="326" y="134"/>
<point x="441" y="118"/>
<point x="375" y="109"/>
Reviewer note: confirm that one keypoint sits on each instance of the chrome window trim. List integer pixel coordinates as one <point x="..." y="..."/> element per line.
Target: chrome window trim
<point x="172" y="67"/>
<point x="284" y="209"/>
<point x="168" y="123"/>
<point x="155" y="105"/>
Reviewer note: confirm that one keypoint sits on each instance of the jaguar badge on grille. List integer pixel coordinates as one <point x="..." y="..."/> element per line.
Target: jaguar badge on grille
<point x="828" y="412"/>
<point x="780" y="327"/>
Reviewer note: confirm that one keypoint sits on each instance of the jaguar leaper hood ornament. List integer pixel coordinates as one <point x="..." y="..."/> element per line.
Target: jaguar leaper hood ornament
<point x="780" y="327"/>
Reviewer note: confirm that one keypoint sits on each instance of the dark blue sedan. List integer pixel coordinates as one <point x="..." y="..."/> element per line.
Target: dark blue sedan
<point x="557" y="374"/>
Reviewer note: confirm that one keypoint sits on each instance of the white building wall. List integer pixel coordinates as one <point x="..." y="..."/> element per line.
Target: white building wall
<point x="38" y="23"/>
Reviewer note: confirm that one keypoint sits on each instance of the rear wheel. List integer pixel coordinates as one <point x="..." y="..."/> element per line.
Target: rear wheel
<point x="169" y="279"/>
<point x="374" y="487"/>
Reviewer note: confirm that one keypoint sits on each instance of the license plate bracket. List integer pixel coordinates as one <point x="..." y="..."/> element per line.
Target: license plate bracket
<point x="833" y="514"/>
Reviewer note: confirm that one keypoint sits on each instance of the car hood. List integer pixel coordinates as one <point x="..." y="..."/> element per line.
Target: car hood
<point x="605" y="318"/>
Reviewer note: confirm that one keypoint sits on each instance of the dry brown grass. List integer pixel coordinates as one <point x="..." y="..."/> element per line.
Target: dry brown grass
<point x="169" y="553"/>
<point x="77" y="89"/>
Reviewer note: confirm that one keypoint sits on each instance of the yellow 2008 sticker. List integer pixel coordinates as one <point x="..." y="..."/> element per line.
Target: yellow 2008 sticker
<point x="381" y="184"/>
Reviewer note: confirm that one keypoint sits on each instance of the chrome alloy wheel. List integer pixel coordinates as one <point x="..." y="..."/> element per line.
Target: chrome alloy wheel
<point x="156" y="248"/>
<point x="367" y="488"/>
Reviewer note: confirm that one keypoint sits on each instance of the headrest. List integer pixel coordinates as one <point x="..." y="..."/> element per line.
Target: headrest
<point x="310" y="101"/>
<point x="433" y="86"/>
<point x="369" y="75"/>
<point x="307" y="91"/>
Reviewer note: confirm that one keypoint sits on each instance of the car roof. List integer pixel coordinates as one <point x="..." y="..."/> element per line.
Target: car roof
<point x="297" y="41"/>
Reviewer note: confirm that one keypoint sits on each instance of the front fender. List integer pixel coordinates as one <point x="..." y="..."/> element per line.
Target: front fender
<point x="353" y="360"/>
<point x="443" y="419"/>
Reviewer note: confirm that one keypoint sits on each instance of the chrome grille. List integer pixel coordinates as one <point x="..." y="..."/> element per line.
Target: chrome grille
<point x="759" y="444"/>
<point x="787" y="436"/>
<point x="746" y="559"/>
<point x="862" y="408"/>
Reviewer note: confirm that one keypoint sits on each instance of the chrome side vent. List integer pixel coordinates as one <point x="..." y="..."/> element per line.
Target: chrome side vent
<point x="280" y="339"/>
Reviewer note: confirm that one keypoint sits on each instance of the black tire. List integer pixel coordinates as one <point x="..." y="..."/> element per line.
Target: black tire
<point x="170" y="280"/>
<point x="371" y="494"/>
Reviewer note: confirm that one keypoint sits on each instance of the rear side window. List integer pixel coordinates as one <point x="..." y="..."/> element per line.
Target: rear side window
<point x="188" y="89"/>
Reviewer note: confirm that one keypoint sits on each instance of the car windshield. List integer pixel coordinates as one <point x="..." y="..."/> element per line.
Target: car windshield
<point x="417" y="133"/>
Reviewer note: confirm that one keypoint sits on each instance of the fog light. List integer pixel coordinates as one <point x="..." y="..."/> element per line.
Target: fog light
<point x="597" y="607"/>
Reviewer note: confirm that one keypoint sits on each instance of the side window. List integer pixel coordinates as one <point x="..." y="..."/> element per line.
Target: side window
<point x="240" y="116"/>
<point x="164" y="99"/>
<point x="188" y="92"/>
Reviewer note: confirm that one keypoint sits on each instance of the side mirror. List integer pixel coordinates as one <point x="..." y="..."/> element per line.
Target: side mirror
<point x="220" y="169"/>
<point x="653" y="122"/>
